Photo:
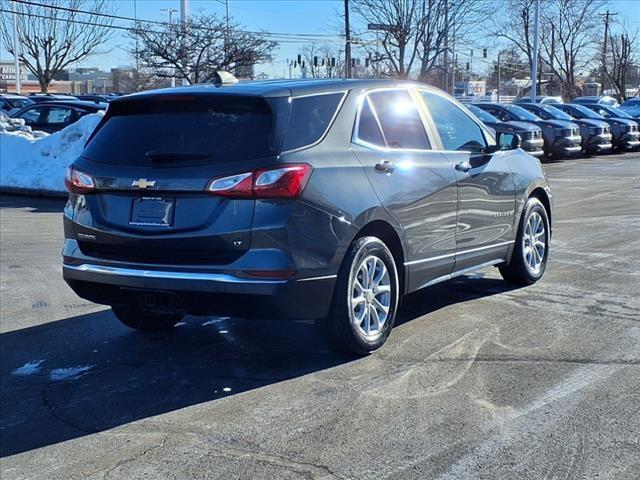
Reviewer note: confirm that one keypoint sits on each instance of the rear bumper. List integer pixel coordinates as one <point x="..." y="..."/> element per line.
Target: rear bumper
<point x="196" y="291"/>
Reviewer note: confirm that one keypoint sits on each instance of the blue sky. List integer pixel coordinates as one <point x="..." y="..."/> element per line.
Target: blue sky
<point x="283" y="16"/>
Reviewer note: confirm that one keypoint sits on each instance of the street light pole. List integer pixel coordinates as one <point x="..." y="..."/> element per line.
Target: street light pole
<point x="534" y="63"/>
<point x="499" y="77"/>
<point x="15" y="48"/>
<point x="184" y="19"/>
<point x="170" y="11"/>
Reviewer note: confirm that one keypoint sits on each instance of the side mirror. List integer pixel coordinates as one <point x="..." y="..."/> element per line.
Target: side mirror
<point x="508" y="141"/>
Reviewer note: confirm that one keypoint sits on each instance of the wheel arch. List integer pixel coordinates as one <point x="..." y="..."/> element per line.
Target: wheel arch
<point x="385" y="232"/>
<point x="541" y="194"/>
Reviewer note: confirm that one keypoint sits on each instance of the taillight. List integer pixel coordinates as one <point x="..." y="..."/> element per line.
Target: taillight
<point x="79" y="182"/>
<point x="286" y="181"/>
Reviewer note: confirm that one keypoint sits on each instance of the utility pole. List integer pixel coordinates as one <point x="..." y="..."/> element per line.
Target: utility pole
<point x="16" y="46"/>
<point x="446" y="47"/>
<point x="347" y="40"/>
<point x="534" y="62"/>
<point x="184" y="19"/>
<point x="603" y="77"/>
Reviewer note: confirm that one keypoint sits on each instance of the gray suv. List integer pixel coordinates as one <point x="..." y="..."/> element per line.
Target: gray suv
<point x="322" y="199"/>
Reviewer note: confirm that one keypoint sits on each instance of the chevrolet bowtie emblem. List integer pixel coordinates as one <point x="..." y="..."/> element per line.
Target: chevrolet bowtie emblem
<point x="143" y="183"/>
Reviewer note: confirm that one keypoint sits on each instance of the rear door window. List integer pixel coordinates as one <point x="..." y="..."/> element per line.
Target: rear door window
<point x="215" y="128"/>
<point x="310" y="118"/>
<point x="398" y="115"/>
<point x="458" y="131"/>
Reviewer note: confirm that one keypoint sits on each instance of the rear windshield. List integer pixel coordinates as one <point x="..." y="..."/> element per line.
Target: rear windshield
<point x="214" y="128"/>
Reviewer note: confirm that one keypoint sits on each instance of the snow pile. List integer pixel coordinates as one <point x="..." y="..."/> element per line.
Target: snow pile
<point x="8" y="124"/>
<point x="37" y="161"/>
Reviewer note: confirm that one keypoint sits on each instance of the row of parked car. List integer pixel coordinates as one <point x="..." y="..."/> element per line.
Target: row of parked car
<point x="589" y="125"/>
<point x="49" y="112"/>
<point x="561" y="130"/>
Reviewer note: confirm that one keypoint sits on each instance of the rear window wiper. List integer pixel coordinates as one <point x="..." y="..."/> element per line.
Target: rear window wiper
<point x="168" y="156"/>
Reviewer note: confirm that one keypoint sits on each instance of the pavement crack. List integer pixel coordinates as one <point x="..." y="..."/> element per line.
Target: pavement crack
<point x="52" y="411"/>
<point x="308" y="469"/>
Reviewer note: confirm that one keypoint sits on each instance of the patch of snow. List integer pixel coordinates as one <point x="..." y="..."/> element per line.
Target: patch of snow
<point x="226" y="389"/>
<point x="29" y="368"/>
<point x="67" y="373"/>
<point x="180" y="324"/>
<point x="36" y="160"/>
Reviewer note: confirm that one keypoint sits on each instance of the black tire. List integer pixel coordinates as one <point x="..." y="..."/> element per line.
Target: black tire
<point x="518" y="271"/>
<point x="145" y="320"/>
<point x="339" y="328"/>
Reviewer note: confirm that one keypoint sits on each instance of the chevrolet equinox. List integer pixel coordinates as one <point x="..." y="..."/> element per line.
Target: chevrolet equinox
<point x="317" y="199"/>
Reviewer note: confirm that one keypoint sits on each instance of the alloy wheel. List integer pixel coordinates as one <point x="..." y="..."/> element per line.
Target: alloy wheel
<point x="371" y="297"/>
<point x="534" y="243"/>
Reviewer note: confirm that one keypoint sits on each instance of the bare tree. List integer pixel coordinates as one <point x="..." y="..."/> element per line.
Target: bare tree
<point x="622" y="54"/>
<point x="402" y="32"/>
<point x="197" y="51"/>
<point x="441" y="22"/>
<point x="416" y="33"/>
<point x="516" y="26"/>
<point x="129" y="81"/>
<point x="53" y="36"/>
<point x="572" y="43"/>
<point x="310" y="55"/>
<point x="568" y="35"/>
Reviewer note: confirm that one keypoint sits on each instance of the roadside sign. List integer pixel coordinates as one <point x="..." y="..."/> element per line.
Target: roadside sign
<point x="379" y="26"/>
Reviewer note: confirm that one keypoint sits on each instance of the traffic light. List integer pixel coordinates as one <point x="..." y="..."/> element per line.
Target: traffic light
<point x="333" y="61"/>
<point x="315" y="61"/>
<point x="299" y="59"/>
<point x="484" y="53"/>
<point x="467" y="65"/>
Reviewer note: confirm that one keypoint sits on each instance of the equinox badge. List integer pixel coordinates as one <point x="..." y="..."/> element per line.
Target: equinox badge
<point x="143" y="183"/>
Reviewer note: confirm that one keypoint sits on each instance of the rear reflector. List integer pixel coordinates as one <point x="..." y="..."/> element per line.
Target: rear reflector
<point x="79" y="182"/>
<point x="286" y="181"/>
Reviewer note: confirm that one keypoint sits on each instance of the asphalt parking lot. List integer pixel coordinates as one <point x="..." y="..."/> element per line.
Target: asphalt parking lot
<point x="478" y="380"/>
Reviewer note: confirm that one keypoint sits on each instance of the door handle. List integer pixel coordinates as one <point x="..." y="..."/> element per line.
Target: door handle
<point x="385" y="166"/>
<point x="463" y="166"/>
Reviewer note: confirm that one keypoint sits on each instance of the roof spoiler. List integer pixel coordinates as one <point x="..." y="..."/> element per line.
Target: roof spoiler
<point x="223" y="78"/>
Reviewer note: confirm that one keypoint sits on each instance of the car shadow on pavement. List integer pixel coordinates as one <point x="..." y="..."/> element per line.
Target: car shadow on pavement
<point x="33" y="203"/>
<point x="86" y="374"/>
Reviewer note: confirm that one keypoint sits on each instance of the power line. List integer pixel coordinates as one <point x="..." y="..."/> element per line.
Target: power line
<point x="161" y="23"/>
<point x="130" y="29"/>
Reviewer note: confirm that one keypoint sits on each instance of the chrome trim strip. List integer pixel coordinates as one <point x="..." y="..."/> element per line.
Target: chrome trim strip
<point x="472" y="250"/>
<point x="310" y="279"/>
<point x="459" y="273"/>
<point x="162" y="274"/>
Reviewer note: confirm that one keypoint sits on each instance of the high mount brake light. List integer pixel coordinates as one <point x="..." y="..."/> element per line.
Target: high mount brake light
<point x="79" y="182"/>
<point x="285" y="181"/>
